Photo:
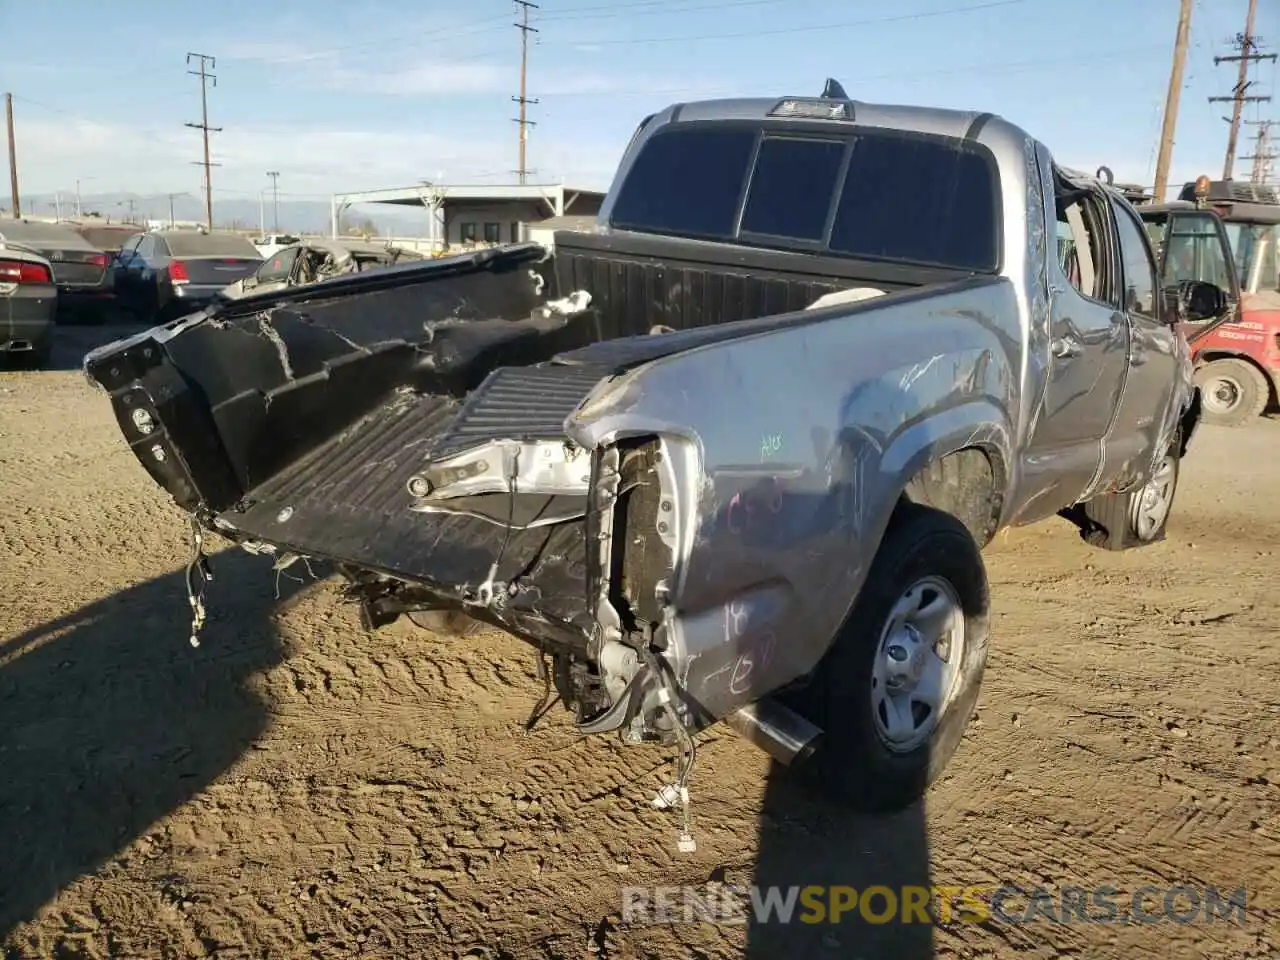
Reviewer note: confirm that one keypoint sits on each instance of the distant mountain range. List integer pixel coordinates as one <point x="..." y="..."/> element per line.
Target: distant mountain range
<point x="297" y="216"/>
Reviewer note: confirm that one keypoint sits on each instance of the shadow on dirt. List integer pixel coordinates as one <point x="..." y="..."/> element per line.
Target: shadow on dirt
<point x="109" y="720"/>
<point x="805" y="841"/>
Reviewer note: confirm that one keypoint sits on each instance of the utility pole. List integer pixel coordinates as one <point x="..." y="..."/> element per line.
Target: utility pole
<point x="1171" y="101"/>
<point x="203" y="125"/>
<point x="13" y="157"/>
<point x="172" y="222"/>
<point x="1248" y="46"/>
<point x="275" y="199"/>
<point x="523" y="100"/>
<point x="1262" y="155"/>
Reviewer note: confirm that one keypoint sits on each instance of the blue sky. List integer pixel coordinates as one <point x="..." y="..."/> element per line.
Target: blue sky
<point x="367" y="93"/>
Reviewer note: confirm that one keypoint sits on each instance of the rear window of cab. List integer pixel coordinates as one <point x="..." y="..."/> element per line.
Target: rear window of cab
<point x="864" y="194"/>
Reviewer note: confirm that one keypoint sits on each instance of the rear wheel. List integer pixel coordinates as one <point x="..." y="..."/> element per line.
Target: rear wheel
<point x="897" y="688"/>
<point x="1233" y="392"/>
<point x="1122" y="521"/>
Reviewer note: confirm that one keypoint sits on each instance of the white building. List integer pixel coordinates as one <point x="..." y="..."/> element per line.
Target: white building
<point x="478" y="213"/>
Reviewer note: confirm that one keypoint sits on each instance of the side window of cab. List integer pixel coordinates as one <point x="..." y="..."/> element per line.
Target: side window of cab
<point x="279" y="266"/>
<point x="1137" y="267"/>
<point x="1084" y="247"/>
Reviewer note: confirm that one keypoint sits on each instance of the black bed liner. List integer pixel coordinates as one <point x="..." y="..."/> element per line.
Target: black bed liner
<point x="637" y="280"/>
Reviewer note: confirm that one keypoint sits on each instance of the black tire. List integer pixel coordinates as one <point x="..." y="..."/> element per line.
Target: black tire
<point x="1115" y="521"/>
<point x="1233" y="392"/>
<point x="853" y="763"/>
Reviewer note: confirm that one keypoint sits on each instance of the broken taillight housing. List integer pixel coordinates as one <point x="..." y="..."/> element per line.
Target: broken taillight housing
<point x="19" y="271"/>
<point x="178" y="272"/>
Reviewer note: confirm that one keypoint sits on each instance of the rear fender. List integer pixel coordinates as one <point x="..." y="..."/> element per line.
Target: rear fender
<point x="777" y="462"/>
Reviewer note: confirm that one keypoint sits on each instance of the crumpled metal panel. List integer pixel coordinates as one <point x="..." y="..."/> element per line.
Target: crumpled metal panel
<point x="784" y="454"/>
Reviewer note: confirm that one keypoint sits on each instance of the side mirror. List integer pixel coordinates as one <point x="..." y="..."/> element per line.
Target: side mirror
<point x="1199" y="301"/>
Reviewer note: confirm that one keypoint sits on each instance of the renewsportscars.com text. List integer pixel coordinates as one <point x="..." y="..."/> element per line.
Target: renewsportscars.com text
<point x="723" y="904"/>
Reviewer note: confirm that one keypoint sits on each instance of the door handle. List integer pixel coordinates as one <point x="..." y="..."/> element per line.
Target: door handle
<point x="1064" y="348"/>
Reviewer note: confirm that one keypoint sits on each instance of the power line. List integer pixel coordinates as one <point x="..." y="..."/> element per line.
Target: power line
<point x="523" y="100"/>
<point x="204" y="128"/>
<point x="637" y="8"/>
<point x="899" y="18"/>
<point x="1038" y="64"/>
<point x="494" y="25"/>
<point x="1248" y="45"/>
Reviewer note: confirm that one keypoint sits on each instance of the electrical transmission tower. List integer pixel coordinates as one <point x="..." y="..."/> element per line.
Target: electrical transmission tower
<point x="1263" y="154"/>
<point x="1249" y="47"/>
<point x="524" y="101"/>
<point x="205" y="79"/>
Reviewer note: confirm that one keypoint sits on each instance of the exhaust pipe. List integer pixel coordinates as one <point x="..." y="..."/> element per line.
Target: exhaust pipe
<point x="776" y="729"/>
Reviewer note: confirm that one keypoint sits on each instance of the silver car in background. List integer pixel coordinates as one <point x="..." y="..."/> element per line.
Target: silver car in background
<point x="28" y="305"/>
<point x="82" y="272"/>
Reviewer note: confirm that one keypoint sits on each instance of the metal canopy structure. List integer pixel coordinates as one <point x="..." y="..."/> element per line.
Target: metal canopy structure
<point x="443" y="200"/>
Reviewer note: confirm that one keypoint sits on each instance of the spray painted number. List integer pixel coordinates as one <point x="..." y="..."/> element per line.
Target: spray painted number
<point x="751" y="663"/>
<point x="770" y="445"/>
<point x="755" y="657"/>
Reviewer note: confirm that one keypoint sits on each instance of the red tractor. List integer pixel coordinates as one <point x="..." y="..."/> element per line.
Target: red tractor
<point x="1237" y="364"/>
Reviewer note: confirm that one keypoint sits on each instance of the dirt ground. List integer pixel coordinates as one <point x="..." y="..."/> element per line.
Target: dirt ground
<point x="296" y="787"/>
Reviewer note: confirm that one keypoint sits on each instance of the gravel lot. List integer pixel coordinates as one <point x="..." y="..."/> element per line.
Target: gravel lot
<point x="296" y="787"/>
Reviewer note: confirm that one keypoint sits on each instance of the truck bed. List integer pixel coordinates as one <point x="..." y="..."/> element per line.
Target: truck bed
<point x="297" y="419"/>
<point x="349" y="501"/>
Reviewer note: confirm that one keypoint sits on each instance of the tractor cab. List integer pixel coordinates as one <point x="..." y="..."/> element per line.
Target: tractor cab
<point x="1237" y="362"/>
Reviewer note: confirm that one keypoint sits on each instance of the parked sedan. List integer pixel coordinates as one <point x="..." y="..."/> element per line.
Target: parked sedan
<point x="167" y="273"/>
<point x="81" y="271"/>
<point x="28" y="304"/>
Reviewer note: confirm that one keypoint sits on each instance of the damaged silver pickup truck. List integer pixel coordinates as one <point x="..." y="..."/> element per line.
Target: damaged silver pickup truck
<point x="732" y="455"/>
<point x="312" y="261"/>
